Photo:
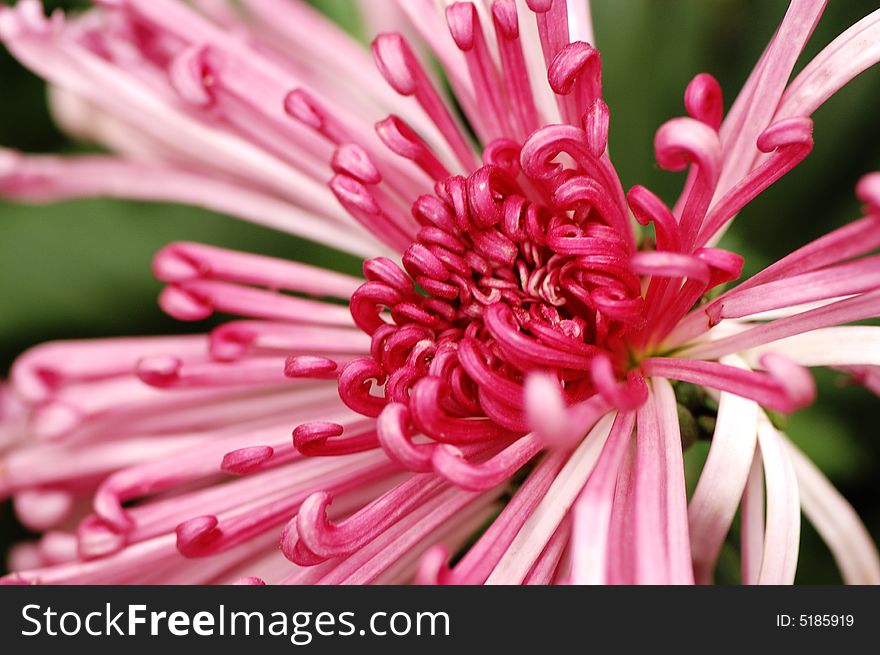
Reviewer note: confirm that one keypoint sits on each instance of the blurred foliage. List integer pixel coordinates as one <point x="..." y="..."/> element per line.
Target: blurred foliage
<point x="82" y="269"/>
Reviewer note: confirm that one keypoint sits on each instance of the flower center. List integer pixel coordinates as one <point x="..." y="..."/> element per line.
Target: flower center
<point x="509" y="273"/>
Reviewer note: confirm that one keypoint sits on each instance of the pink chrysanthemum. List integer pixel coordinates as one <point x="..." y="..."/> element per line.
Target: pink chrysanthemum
<point x="506" y="376"/>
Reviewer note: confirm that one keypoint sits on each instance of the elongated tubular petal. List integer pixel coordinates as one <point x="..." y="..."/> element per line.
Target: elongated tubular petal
<point x="550" y="566"/>
<point x="585" y="191"/>
<point x="403" y="72"/>
<point x="450" y="463"/>
<point x="703" y="100"/>
<point x="850" y="278"/>
<point x="546" y="143"/>
<point x="648" y="208"/>
<point x="782" y="535"/>
<point x="39" y="372"/>
<point x="209" y="534"/>
<point x="757" y="103"/>
<point x="323" y="439"/>
<point x="752" y="522"/>
<point x="553" y="30"/>
<point x="625" y="396"/>
<point x="592" y="510"/>
<point x="724" y="266"/>
<point x="854" y="345"/>
<point x="847" y="242"/>
<point x="124" y="405"/>
<point x="481" y="558"/>
<point x="258" y="79"/>
<point x="782" y="394"/>
<point x="464" y="26"/>
<point x="395" y="436"/>
<point x="193" y="461"/>
<point x="851" y="53"/>
<point x="836" y="521"/>
<point x="407" y="538"/>
<point x="856" y="308"/>
<point x="147" y="561"/>
<point x="500" y="322"/>
<point x="167" y="372"/>
<point x="721" y="483"/>
<point x="239" y="339"/>
<point x="675" y="525"/>
<point x="429" y="417"/>
<point x="182" y="261"/>
<point x="297" y="23"/>
<point x="98" y="537"/>
<point x="366" y="205"/>
<point x="197" y="299"/>
<point x="621" y="542"/>
<point x="650" y="546"/>
<point x="557" y="425"/>
<point x="667" y="270"/>
<point x="42" y="509"/>
<point x="247" y="459"/>
<point x="400" y="139"/>
<point x="319" y="538"/>
<point x="515" y="74"/>
<point x="426" y="17"/>
<point x="868" y="191"/>
<point x="670" y="264"/>
<point x="353" y="155"/>
<point x="57" y="55"/>
<point x="789" y="141"/>
<point x="683" y="141"/>
<point x="47" y="179"/>
<point x="539" y="528"/>
<point x="575" y="74"/>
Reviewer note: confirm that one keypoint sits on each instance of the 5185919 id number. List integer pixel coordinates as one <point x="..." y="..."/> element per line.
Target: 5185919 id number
<point x="815" y="620"/>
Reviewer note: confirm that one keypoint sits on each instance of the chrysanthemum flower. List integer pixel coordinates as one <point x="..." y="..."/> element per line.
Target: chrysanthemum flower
<point x="500" y="401"/>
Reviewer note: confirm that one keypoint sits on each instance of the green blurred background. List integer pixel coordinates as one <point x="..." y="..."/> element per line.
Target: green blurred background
<point x="82" y="269"/>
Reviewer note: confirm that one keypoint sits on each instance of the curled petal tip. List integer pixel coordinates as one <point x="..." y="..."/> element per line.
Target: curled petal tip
<point x="192" y="76"/>
<point x="183" y="305"/>
<point x="173" y="264"/>
<point x="250" y="582"/>
<point x="244" y="460"/>
<point x="683" y="141"/>
<point x="395" y="436"/>
<point x="505" y="17"/>
<point x="194" y="535"/>
<point x="571" y="63"/>
<point x="868" y="191"/>
<point x="787" y="132"/>
<point x="311" y="434"/>
<point x="40" y="510"/>
<point x="394" y="60"/>
<point x="97" y="538"/>
<point x="310" y="366"/>
<point x="796" y="381"/>
<point x="704" y="101"/>
<point x="433" y="567"/>
<point x="545" y="409"/>
<point x="539" y="6"/>
<point x="353" y="160"/>
<point x="301" y="106"/>
<point x="462" y="20"/>
<point x="55" y="421"/>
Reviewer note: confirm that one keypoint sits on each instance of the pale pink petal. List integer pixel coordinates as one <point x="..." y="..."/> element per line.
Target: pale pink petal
<point x="782" y="533"/>
<point x="752" y="522"/>
<point x="540" y="526"/>
<point x="836" y="521"/>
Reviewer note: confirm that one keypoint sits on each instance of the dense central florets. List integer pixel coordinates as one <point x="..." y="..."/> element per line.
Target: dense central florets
<point x="509" y="273"/>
